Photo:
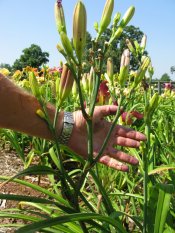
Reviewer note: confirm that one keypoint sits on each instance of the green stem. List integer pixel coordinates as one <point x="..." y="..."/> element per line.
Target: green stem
<point x="145" y="177"/>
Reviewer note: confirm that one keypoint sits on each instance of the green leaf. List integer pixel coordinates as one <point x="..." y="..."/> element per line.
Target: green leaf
<point x="165" y="191"/>
<point x="70" y="218"/>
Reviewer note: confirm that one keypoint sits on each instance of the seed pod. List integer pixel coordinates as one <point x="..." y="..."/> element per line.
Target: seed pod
<point x="59" y="17"/>
<point x="127" y="16"/>
<point x="106" y="16"/>
<point x="66" y="83"/>
<point x="34" y="85"/>
<point x="110" y="68"/>
<point x="79" y="29"/>
<point x="66" y="44"/>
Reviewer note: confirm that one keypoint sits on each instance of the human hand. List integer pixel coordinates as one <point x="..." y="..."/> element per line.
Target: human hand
<point x="121" y="136"/>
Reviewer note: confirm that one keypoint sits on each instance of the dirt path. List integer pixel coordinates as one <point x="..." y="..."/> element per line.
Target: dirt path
<point x="10" y="165"/>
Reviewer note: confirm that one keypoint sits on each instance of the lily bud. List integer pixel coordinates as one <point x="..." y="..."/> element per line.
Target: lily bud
<point x="66" y="44"/>
<point x="85" y="82"/>
<point x="143" y="42"/>
<point x="116" y="18"/>
<point x="59" y="17"/>
<point x="79" y="29"/>
<point x="141" y="73"/>
<point x="130" y="46"/>
<point x="150" y="108"/>
<point x="41" y="114"/>
<point x="127" y="16"/>
<point x="110" y="68"/>
<point x="61" y="50"/>
<point x="34" y="85"/>
<point x="124" y="67"/>
<point x="106" y="16"/>
<point x="116" y="35"/>
<point x="66" y="83"/>
<point x="74" y="89"/>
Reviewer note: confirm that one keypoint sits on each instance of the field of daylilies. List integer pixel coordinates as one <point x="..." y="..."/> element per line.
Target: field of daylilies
<point x="84" y="195"/>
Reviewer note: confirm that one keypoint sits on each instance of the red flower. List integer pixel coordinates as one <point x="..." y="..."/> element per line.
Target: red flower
<point x="128" y="118"/>
<point x="168" y="86"/>
<point x="103" y="89"/>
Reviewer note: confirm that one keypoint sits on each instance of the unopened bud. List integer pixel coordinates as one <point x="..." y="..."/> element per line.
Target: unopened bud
<point x="41" y="114"/>
<point x="110" y="68"/>
<point x="66" y="44"/>
<point x="66" y="83"/>
<point x="127" y="16"/>
<point x="143" y="42"/>
<point x="116" y="35"/>
<point x="34" y="85"/>
<point x="59" y="17"/>
<point x="116" y="18"/>
<point x="79" y="29"/>
<point x="130" y="46"/>
<point x="106" y="16"/>
<point x="124" y="67"/>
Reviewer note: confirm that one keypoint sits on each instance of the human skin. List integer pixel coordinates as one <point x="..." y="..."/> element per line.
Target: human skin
<point x="18" y="112"/>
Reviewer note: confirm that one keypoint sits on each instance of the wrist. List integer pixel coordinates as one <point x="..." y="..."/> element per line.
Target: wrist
<point x="65" y="133"/>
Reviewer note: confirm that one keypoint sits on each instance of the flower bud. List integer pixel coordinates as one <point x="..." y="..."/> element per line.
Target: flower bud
<point x="106" y="16"/>
<point x="74" y="89"/>
<point x="85" y="82"/>
<point x="79" y="29"/>
<point x="66" y="83"/>
<point x="41" y="114"/>
<point x="66" y="44"/>
<point x="110" y="68"/>
<point x="143" y="42"/>
<point x="150" y="108"/>
<point x="124" y="67"/>
<point x="61" y="50"/>
<point x="127" y="16"/>
<point x="34" y="85"/>
<point x="116" y="18"/>
<point x="116" y="35"/>
<point x="130" y="46"/>
<point x="59" y="17"/>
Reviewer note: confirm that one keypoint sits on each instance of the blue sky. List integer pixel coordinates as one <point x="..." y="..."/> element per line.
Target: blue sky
<point x="24" y="22"/>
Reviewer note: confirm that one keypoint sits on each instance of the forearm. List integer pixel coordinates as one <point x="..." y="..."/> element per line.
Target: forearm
<point x="18" y="111"/>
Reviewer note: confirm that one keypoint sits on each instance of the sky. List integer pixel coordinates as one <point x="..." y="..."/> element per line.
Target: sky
<point x="26" y="22"/>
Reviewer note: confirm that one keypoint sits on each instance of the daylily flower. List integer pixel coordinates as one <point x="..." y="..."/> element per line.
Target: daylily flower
<point x="128" y="117"/>
<point x="168" y="86"/>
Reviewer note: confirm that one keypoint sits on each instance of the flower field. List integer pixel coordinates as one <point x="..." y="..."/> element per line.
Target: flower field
<point x="84" y="195"/>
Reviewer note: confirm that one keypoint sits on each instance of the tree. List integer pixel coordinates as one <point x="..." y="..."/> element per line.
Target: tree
<point x="32" y="56"/>
<point x="6" y="66"/>
<point x="115" y="51"/>
<point x="172" y="69"/>
<point x="165" y="77"/>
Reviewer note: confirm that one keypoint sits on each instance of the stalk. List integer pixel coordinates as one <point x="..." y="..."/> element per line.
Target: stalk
<point x="145" y="177"/>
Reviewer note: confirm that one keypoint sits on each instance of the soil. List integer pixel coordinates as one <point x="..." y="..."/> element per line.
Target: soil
<point x="10" y="165"/>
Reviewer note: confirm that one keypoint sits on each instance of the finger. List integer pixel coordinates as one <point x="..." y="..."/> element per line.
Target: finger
<point x="106" y="110"/>
<point x="123" y="157"/>
<point x="113" y="163"/>
<point x="130" y="133"/>
<point x="122" y="141"/>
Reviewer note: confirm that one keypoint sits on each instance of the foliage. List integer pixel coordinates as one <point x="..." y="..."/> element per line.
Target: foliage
<point x="117" y="47"/>
<point x="91" y="197"/>
<point x="6" y="66"/>
<point x="165" y="77"/>
<point x="32" y="56"/>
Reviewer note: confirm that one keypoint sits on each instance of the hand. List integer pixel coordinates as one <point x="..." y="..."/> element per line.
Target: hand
<point x="121" y="136"/>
